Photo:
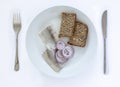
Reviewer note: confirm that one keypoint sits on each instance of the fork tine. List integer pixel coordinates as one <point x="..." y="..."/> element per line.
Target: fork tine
<point x="16" y="17"/>
<point x="19" y="17"/>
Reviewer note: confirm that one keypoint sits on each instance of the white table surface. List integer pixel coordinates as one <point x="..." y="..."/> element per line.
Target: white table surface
<point x="29" y="76"/>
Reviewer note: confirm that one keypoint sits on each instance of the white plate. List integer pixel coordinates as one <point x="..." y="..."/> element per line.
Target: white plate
<point x="52" y="16"/>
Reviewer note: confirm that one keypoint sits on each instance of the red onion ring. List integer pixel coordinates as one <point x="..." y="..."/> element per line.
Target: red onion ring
<point x="60" y="44"/>
<point x="59" y="57"/>
<point x="68" y="52"/>
<point x="59" y="54"/>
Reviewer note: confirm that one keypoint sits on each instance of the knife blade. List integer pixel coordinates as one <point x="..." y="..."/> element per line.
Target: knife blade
<point x="104" y="24"/>
<point x="104" y="29"/>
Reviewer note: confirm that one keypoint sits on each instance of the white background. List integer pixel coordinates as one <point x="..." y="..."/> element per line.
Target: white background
<point x="29" y="76"/>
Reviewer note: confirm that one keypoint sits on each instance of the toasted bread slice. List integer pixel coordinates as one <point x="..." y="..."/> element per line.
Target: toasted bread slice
<point x="80" y="35"/>
<point x="67" y="24"/>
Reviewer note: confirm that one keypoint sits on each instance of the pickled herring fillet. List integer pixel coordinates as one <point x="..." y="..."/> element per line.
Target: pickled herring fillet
<point x="50" y="60"/>
<point x="53" y="33"/>
<point x="47" y="38"/>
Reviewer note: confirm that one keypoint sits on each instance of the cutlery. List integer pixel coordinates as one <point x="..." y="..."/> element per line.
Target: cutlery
<point x="104" y="29"/>
<point x="17" y="27"/>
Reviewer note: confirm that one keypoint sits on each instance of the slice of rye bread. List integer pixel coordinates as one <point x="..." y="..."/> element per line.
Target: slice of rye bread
<point x="67" y="24"/>
<point x="80" y="35"/>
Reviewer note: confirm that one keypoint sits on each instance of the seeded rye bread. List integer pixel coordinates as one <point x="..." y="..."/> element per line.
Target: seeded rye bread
<point x="80" y="35"/>
<point x="67" y="24"/>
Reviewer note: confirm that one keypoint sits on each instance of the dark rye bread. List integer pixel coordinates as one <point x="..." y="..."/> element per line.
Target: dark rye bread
<point x="67" y="24"/>
<point x="80" y="35"/>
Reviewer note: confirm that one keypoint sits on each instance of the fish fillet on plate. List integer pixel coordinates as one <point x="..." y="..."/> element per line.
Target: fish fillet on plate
<point x="47" y="37"/>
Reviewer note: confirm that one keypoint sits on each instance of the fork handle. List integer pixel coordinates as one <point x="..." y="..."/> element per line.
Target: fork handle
<point x="16" y="67"/>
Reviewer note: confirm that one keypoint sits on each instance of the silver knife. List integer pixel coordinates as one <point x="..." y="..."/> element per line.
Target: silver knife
<point x="104" y="28"/>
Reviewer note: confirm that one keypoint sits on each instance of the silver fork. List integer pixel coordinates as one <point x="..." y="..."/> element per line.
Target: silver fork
<point x="17" y="27"/>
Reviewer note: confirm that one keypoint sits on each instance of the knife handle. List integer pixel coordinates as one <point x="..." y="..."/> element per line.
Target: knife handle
<point x="105" y="67"/>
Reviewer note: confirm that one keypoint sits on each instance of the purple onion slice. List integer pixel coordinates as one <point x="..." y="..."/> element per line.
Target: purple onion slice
<point x="60" y="45"/>
<point x="59" y="54"/>
<point x="59" y="57"/>
<point x="68" y="51"/>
